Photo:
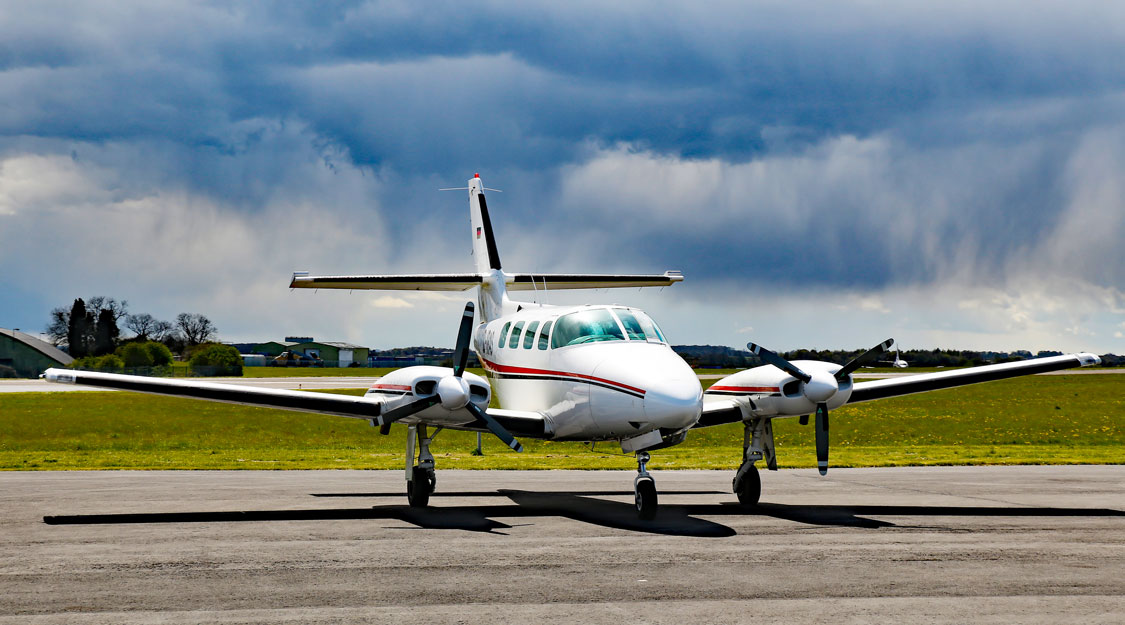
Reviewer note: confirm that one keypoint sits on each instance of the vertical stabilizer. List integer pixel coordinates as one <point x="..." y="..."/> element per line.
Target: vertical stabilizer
<point x="493" y="292"/>
<point x="484" y="243"/>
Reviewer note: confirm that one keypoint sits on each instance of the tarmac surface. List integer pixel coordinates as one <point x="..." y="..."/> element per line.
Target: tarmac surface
<point x="907" y="545"/>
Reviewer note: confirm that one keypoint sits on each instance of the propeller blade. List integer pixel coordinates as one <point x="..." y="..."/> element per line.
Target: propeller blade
<point x="389" y="417"/>
<point x="495" y="427"/>
<point x="822" y="438"/>
<point x="464" y="335"/>
<point x="866" y="356"/>
<point x="778" y="362"/>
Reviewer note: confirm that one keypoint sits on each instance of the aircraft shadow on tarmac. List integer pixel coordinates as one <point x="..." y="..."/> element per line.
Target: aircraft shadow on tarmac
<point x="585" y="507"/>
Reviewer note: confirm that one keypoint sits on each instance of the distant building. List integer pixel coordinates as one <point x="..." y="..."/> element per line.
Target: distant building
<point x="272" y="349"/>
<point x="253" y="360"/>
<point x="27" y="355"/>
<point x="333" y="353"/>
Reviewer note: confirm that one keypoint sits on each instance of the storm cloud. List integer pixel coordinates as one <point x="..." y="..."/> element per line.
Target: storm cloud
<point x="822" y="172"/>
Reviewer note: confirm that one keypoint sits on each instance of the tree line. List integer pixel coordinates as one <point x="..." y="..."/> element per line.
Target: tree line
<point x="93" y="328"/>
<point x="91" y="332"/>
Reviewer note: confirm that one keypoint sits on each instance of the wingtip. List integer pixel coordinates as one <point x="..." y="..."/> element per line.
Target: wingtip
<point x="1088" y="360"/>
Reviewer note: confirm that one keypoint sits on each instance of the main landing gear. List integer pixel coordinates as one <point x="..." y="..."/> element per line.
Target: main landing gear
<point x="420" y="478"/>
<point x="757" y="444"/>
<point x="644" y="489"/>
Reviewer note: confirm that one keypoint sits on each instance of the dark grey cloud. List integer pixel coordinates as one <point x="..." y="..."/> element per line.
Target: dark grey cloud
<point x="775" y="145"/>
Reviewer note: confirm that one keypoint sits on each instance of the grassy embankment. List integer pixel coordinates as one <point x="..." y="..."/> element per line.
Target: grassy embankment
<point x="1037" y="420"/>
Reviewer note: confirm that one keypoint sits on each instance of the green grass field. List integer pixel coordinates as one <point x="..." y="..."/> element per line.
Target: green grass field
<point x="1062" y="419"/>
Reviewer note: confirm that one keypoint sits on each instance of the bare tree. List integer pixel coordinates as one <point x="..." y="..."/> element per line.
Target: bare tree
<point x="98" y="303"/>
<point x="59" y="327"/>
<point x="142" y="325"/>
<point x="162" y="330"/>
<point x="196" y="328"/>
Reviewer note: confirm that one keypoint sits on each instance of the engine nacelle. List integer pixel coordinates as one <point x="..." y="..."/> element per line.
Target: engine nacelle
<point x="403" y="386"/>
<point x="773" y="392"/>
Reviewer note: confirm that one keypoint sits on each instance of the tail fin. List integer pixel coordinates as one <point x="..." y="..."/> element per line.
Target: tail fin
<point x="484" y="242"/>
<point x="493" y="290"/>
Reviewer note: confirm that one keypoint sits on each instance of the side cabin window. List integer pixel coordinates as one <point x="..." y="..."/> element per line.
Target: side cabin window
<point x="529" y="338"/>
<point x="504" y="333"/>
<point x="515" y="340"/>
<point x="543" y="335"/>
<point x="586" y="326"/>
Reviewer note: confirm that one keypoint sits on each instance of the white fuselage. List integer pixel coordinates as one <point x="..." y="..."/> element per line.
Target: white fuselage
<point x="622" y="382"/>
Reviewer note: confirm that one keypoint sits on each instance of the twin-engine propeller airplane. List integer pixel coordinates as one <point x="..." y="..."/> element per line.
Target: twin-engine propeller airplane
<point x="576" y="373"/>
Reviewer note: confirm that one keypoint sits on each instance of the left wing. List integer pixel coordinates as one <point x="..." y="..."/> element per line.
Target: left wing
<point x="722" y="410"/>
<point x="923" y="382"/>
<point x="719" y="410"/>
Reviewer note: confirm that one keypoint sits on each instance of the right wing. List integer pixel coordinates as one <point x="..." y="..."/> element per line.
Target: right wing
<point x="520" y="422"/>
<point x="301" y="401"/>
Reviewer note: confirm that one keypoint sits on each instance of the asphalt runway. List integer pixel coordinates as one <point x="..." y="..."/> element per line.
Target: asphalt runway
<point x="907" y="545"/>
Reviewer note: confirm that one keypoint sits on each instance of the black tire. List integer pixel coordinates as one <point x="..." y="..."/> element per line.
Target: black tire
<point x="645" y="493"/>
<point x="748" y="487"/>
<point x="419" y="489"/>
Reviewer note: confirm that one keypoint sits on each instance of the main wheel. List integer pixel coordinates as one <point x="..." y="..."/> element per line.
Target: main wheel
<point x="645" y="492"/>
<point x="748" y="486"/>
<point x="419" y="489"/>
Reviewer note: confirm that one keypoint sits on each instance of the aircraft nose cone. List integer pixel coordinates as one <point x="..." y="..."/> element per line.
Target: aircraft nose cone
<point x="674" y="398"/>
<point x="821" y="387"/>
<point x="651" y="385"/>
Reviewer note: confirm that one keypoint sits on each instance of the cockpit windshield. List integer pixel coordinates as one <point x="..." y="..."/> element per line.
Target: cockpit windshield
<point x="639" y="326"/>
<point x="586" y="326"/>
<point x="600" y="324"/>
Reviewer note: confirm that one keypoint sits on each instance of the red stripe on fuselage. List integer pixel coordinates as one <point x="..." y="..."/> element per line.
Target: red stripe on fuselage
<point x="498" y="368"/>
<point x="746" y="389"/>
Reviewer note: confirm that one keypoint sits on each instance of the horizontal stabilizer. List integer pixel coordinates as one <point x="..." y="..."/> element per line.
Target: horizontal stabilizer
<point x="407" y="282"/>
<point x="559" y="281"/>
<point x="466" y="281"/>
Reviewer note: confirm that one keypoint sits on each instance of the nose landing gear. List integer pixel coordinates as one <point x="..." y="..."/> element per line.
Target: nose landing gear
<point x="644" y="489"/>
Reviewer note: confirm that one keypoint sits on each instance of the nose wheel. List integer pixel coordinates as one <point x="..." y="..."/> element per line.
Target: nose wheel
<point x="644" y="489"/>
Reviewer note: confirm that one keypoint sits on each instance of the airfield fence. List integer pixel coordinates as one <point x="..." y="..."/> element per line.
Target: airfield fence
<point x="173" y="371"/>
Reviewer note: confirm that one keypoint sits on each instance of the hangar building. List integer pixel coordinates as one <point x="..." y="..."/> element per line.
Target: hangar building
<point x="333" y="353"/>
<point x="27" y="355"/>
